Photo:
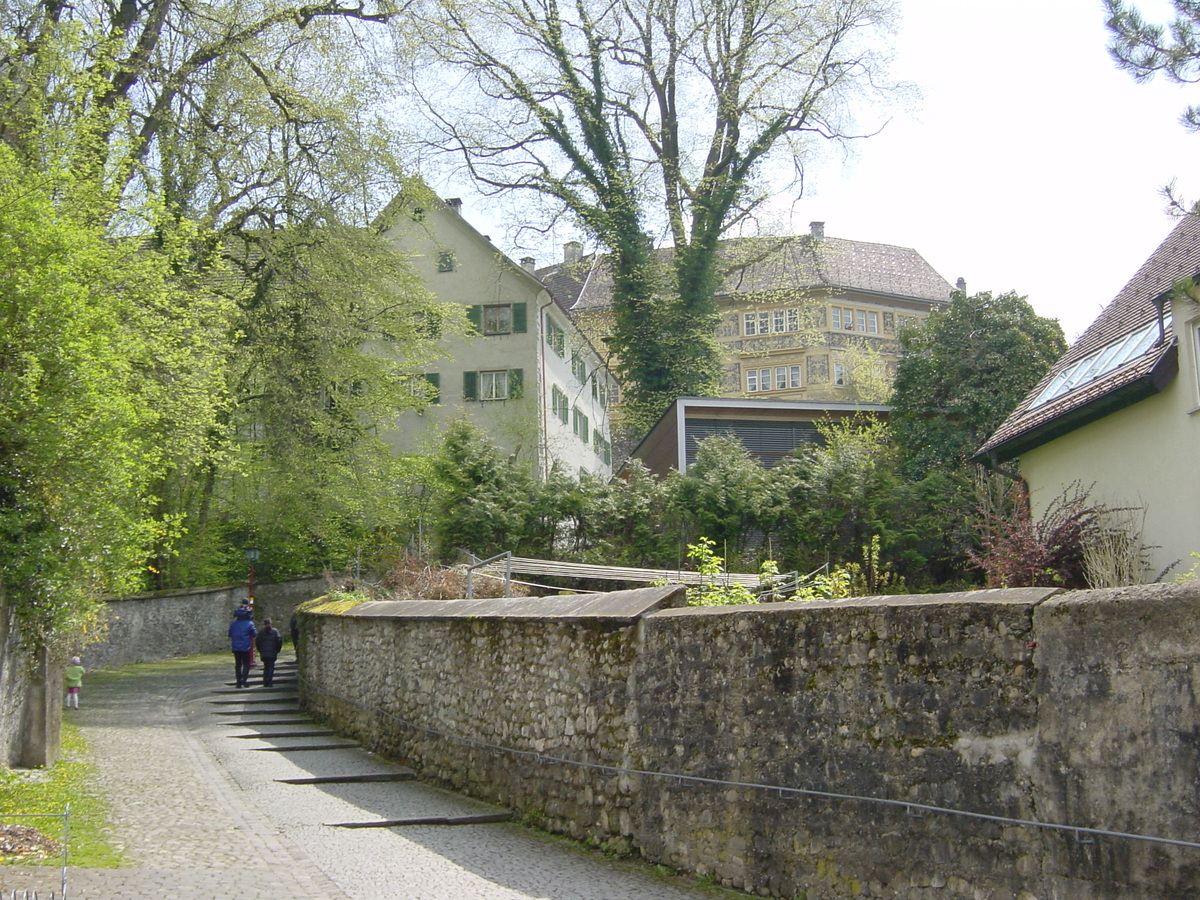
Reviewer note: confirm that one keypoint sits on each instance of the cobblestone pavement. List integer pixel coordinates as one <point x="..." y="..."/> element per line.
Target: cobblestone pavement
<point x="199" y="813"/>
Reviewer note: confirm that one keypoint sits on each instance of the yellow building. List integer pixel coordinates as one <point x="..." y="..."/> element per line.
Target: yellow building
<point x="1119" y="414"/>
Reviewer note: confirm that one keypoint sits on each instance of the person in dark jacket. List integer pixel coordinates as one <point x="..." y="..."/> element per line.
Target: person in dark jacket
<point x="241" y="639"/>
<point x="269" y="643"/>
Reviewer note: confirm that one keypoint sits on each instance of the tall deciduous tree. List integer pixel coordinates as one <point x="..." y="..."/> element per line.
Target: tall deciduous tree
<point x="644" y="116"/>
<point x="963" y="371"/>
<point x="109" y="373"/>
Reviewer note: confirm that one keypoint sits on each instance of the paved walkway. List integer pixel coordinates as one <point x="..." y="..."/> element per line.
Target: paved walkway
<point x="199" y="813"/>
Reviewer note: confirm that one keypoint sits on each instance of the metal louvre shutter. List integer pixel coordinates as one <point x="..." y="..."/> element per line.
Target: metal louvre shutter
<point x="768" y="442"/>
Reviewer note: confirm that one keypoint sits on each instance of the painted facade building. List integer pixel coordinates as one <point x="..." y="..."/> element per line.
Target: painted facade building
<point x="524" y="374"/>
<point x="804" y="318"/>
<point x="1119" y="414"/>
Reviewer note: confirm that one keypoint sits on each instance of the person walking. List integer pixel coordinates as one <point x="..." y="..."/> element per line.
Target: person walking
<point x="241" y="640"/>
<point x="269" y="643"/>
<point x="74" y="676"/>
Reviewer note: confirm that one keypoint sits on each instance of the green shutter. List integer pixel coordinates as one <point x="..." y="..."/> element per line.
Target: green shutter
<point x="516" y="382"/>
<point x="475" y="317"/>
<point x="470" y="385"/>
<point x="520" y="323"/>
<point x="435" y="383"/>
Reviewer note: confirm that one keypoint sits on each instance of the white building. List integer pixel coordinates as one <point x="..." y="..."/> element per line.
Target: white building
<point x="527" y="377"/>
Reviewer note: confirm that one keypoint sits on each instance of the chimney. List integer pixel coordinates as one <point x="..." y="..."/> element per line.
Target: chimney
<point x="817" y="230"/>
<point x="527" y="263"/>
<point x="961" y="284"/>
<point x="455" y="203"/>
<point x="572" y="252"/>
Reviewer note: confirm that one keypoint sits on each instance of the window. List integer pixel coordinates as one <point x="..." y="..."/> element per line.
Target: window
<point x="446" y="261"/>
<point x="841" y="374"/>
<point x="602" y="447"/>
<point x="494" y="384"/>
<point x="758" y="380"/>
<point x="604" y="389"/>
<point x="1107" y="359"/>
<point x="771" y="321"/>
<point x="556" y="338"/>
<point x="842" y="319"/>
<point x="501" y="318"/>
<point x="872" y="323"/>
<point x="559" y="404"/>
<point x="903" y="322"/>
<point x="427" y="387"/>
<point x="579" y="424"/>
<point x="579" y="367"/>
<point x="497" y="319"/>
<point x="787" y="377"/>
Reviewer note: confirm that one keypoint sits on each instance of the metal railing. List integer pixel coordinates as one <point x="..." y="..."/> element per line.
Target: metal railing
<point x="32" y="894"/>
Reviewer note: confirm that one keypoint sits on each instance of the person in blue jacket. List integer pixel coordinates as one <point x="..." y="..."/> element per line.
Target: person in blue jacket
<point x="241" y="639"/>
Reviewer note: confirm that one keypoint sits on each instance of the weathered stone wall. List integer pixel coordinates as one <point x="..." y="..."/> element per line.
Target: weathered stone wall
<point x="170" y="624"/>
<point x="1075" y="709"/>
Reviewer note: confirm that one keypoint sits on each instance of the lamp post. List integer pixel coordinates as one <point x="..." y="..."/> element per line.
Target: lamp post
<point x="251" y="559"/>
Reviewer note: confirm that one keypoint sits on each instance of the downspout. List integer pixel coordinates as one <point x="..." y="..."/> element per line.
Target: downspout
<point x="540" y="337"/>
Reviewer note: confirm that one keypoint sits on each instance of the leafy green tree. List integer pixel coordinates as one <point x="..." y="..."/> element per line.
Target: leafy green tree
<point x="842" y="492"/>
<point x="963" y="371"/>
<point x="640" y="118"/>
<point x="109" y="374"/>
<point x="723" y="495"/>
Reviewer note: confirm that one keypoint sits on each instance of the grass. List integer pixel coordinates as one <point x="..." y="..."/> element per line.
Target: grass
<point x="69" y="781"/>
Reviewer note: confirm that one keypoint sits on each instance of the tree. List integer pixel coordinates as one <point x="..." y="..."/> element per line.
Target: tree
<point x="109" y="373"/>
<point x="1144" y="49"/>
<point x="638" y="117"/>
<point x="963" y="371"/>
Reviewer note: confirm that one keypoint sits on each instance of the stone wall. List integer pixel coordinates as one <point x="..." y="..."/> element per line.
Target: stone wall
<point x="171" y="624"/>
<point x="1072" y="709"/>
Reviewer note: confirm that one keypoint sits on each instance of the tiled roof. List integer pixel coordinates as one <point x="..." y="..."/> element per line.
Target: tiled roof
<point x="752" y="265"/>
<point x="1178" y="257"/>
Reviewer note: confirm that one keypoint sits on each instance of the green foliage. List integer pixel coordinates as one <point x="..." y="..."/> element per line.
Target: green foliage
<point x="577" y="108"/>
<point x="71" y="780"/>
<point x="1143" y="48"/>
<point x="963" y="372"/>
<point x="715" y="591"/>
<point x="108" y="374"/>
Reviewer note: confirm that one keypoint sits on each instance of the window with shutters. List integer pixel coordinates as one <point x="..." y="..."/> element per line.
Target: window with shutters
<point x="497" y="319"/>
<point x="579" y="424"/>
<point x="556" y="338"/>
<point x="579" y="367"/>
<point x="494" y="384"/>
<point x="427" y="387"/>
<point x="560" y="405"/>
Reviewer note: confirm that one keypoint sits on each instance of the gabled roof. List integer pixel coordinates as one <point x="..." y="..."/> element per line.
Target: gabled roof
<point x="1117" y="378"/>
<point x="752" y="265"/>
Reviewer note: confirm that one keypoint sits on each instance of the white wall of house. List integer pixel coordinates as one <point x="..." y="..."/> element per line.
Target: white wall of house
<point x="1146" y="455"/>
<point x="505" y="379"/>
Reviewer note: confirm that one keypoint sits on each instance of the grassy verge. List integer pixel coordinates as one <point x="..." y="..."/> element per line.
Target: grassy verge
<point x="69" y="781"/>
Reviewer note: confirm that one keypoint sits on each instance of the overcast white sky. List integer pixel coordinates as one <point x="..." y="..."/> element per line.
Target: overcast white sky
<point x="1029" y="163"/>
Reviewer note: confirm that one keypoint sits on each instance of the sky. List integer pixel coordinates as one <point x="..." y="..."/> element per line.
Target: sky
<point x="1028" y="162"/>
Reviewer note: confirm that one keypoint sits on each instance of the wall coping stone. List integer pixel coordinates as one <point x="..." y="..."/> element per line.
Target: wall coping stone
<point x="991" y="596"/>
<point x="616" y="606"/>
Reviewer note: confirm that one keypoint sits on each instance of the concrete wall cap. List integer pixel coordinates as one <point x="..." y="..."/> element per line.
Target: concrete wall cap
<point x="992" y="596"/>
<point x="621" y="606"/>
